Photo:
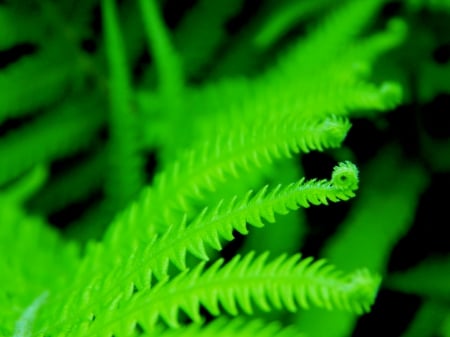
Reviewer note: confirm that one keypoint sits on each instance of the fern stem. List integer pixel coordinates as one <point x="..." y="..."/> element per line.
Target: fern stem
<point x="167" y="63"/>
<point x="125" y="177"/>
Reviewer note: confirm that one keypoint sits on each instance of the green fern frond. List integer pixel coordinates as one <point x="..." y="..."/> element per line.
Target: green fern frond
<point x="337" y="70"/>
<point x="243" y="284"/>
<point x="209" y="164"/>
<point x="212" y="226"/>
<point x="351" y="64"/>
<point x="367" y="97"/>
<point x="333" y="90"/>
<point x="330" y="38"/>
<point x="335" y="85"/>
<point x="185" y="183"/>
<point x="130" y="273"/>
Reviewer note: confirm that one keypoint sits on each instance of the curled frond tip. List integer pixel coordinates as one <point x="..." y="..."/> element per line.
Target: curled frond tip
<point x="345" y="175"/>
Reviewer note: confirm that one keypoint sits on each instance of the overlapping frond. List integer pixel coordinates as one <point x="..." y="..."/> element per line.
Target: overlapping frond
<point x="130" y="273"/>
<point x="240" y="152"/>
<point x="148" y="254"/>
<point x="243" y="285"/>
<point x="330" y="38"/>
<point x="212" y="226"/>
<point x="204" y="168"/>
<point x="322" y="75"/>
<point x="327" y="73"/>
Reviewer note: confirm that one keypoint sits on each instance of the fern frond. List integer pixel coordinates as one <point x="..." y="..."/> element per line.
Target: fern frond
<point x="209" y="227"/>
<point x="337" y="85"/>
<point x="244" y="284"/>
<point x="184" y="183"/>
<point x="337" y="71"/>
<point x="136" y="261"/>
<point x="330" y="38"/>
<point x="209" y="164"/>
<point x="125" y="177"/>
<point x="333" y="90"/>
<point x="349" y="71"/>
<point x="212" y="226"/>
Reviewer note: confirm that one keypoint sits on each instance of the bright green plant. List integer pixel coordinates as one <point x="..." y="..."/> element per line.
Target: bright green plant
<point x="149" y="258"/>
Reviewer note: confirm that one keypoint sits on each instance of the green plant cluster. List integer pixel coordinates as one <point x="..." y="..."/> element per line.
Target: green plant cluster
<point x="175" y="168"/>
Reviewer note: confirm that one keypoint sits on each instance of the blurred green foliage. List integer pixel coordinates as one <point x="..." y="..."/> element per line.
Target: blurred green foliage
<point x="147" y="149"/>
